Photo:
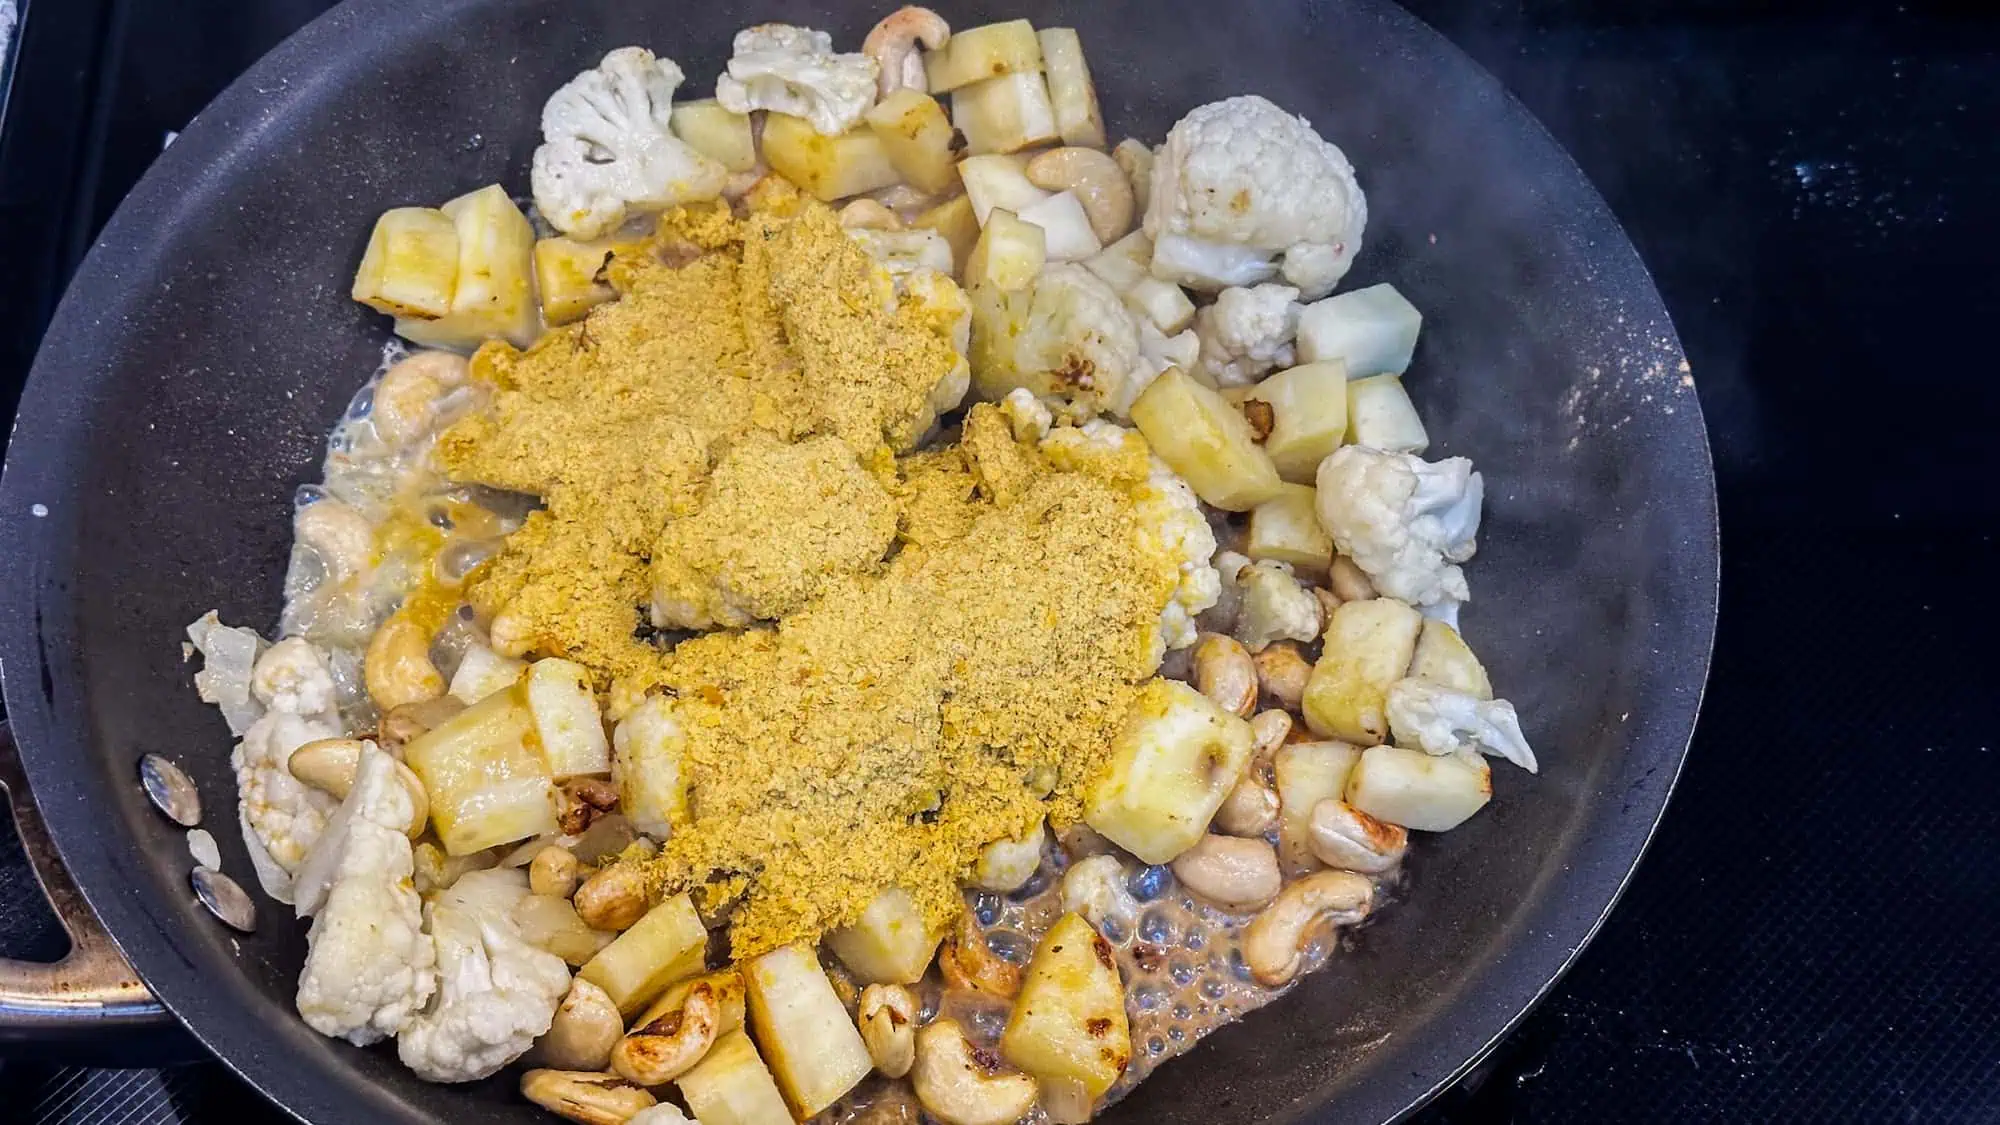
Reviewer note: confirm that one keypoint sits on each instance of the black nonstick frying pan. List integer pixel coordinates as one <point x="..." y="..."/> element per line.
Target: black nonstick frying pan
<point x="207" y="345"/>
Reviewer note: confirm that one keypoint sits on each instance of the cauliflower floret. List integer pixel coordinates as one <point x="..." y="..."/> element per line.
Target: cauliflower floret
<point x="227" y="657"/>
<point x="1068" y="338"/>
<point x="904" y="252"/>
<point x="1403" y="520"/>
<point x="1241" y="181"/>
<point x="496" y="992"/>
<point x="1169" y="507"/>
<point x="607" y="148"/>
<point x="1026" y="415"/>
<point x="368" y="964"/>
<point x="935" y="298"/>
<point x="1438" y="720"/>
<point x="1095" y="888"/>
<point x="286" y="815"/>
<point x="1247" y="332"/>
<point x="292" y="677"/>
<point x="1274" y="607"/>
<point x="793" y="70"/>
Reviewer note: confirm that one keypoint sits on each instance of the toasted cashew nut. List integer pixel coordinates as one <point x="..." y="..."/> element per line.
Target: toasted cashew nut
<point x="967" y="962"/>
<point x="959" y="1084"/>
<point x="1269" y="729"/>
<point x="667" y="1047"/>
<point x="341" y="536"/>
<point x="1282" y="671"/>
<point x="1250" y="809"/>
<point x="403" y="725"/>
<point x="888" y="1019"/>
<point x="1233" y="873"/>
<point x="330" y="765"/>
<point x="553" y="872"/>
<point x="1343" y="836"/>
<point x="1095" y="888"/>
<point x="1224" y="672"/>
<point x="867" y="214"/>
<point x="398" y="668"/>
<point x="1328" y="602"/>
<point x="612" y="899"/>
<point x="585" y="1096"/>
<point x="406" y="397"/>
<point x="893" y="45"/>
<point x="1005" y="865"/>
<point x="1135" y="159"/>
<point x="509" y="635"/>
<point x="1274" y="942"/>
<point x="1348" y="581"/>
<point x="585" y="1028"/>
<point x="1100" y="185"/>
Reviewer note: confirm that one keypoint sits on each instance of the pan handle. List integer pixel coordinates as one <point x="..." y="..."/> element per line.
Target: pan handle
<point x="89" y="999"/>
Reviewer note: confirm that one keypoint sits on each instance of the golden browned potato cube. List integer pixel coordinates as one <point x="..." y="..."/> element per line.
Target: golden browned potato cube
<point x="1430" y="793"/>
<point x="917" y="136"/>
<point x="1286" y="528"/>
<point x="487" y="783"/>
<point x="666" y="945"/>
<point x="1206" y="440"/>
<point x="814" y="1050"/>
<point x="716" y="133"/>
<point x="1368" y="647"/>
<point x="1308" y="416"/>
<point x="1172" y="764"/>
<point x="889" y="943"/>
<point x="1009" y="254"/>
<point x="955" y="221"/>
<point x="732" y="1086"/>
<point x="1306" y="774"/>
<point x="828" y="168"/>
<point x="567" y="276"/>
<point x="411" y="265"/>
<point x="495" y="295"/>
<point x="1004" y="114"/>
<point x="979" y="53"/>
<point x="1068" y="1022"/>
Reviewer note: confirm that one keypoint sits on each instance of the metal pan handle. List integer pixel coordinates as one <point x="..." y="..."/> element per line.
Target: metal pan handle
<point x="89" y="1001"/>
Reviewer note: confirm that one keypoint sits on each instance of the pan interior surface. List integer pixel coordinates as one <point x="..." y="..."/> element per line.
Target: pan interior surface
<point x="207" y="346"/>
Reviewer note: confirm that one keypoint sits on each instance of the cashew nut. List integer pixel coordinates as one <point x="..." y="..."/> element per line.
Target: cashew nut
<point x="1095" y="888"/>
<point x="1006" y="865"/>
<point x="867" y="214"/>
<point x="1135" y="159"/>
<point x="1348" y="581"/>
<point x="510" y="635"/>
<point x="959" y="1084"/>
<point x="585" y="1028"/>
<point x="404" y="724"/>
<point x="1250" y="809"/>
<point x="668" y="1046"/>
<point x="1224" y="672"/>
<point x="967" y="962"/>
<point x="553" y="872"/>
<point x="341" y="537"/>
<point x="1274" y="942"/>
<point x="406" y="397"/>
<point x="398" y="668"/>
<point x="888" y="1021"/>
<point x="330" y="765"/>
<point x="1100" y="185"/>
<point x="1269" y="729"/>
<point x="586" y="1096"/>
<point x="1282" y="671"/>
<point x="612" y="899"/>
<point x="893" y="45"/>
<point x="1328" y="602"/>
<point x="1233" y="873"/>
<point x="1343" y="836"/>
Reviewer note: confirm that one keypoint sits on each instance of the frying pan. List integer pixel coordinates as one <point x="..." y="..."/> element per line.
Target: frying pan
<point x="206" y="346"/>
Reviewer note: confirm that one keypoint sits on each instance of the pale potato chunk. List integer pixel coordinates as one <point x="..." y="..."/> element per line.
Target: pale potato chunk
<point x="732" y="1086"/>
<point x="1372" y="330"/>
<point x="567" y="274"/>
<point x="1368" y="647"/>
<point x="827" y="168"/>
<point x="1068" y="1022"/>
<point x="1307" y="773"/>
<point x="1286" y="528"/>
<point x="1381" y="416"/>
<point x="917" y="136"/>
<point x="1009" y="254"/>
<point x="1172" y="764"/>
<point x="814" y="1050"/>
<point x="1065" y="227"/>
<point x="955" y="220"/>
<point x="716" y="133"/>
<point x="668" y="944"/>
<point x="1444" y="658"/>
<point x="1161" y="302"/>
<point x="1426" y="792"/>
<point x="1309" y="417"/>
<point x="998" y="180"/>
<point x="647" y="748"/>
<point x="980" y="53"/>
<point x="486" y="783"/>
<point x="888" y="944"/>
<point x="1005" y="114"/>
<point x="481" y="672"/>
<point x="495" y="294"/>
<point x="566" y="718"/>
<point x="1207" y="441"/>
<point x="1078" y="118"/>
<point x="411" y="265"/>
<point x="1126" y="263"/>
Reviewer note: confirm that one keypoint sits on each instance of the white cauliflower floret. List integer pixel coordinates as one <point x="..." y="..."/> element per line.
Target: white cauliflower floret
<point x="1437" y="720"/>
<point x="496" y="993"/>
<point x="368" y="964"/>
<point x="1247" y="332"/>
<point x="607" y="149"/>
<point x="1169" y="507"/>
<point x="1403" y="520"/>
<point x="904" y="252"/>
<point x="286" y="815"/>
<point x="1095" y="888"/>
<point x="1240" y="182"/>
<point x="227" y="657"/>
<point x="793" y="70"/>
<point x="1026" y="415"/>
<point x="292" y="677"/>
<point x="1069" y="339"/>
<point x="938" y="300"/>
<point x="1274" y="607"/>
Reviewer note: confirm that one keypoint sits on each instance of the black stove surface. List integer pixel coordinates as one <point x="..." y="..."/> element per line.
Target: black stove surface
<point x="1816" y="188"/>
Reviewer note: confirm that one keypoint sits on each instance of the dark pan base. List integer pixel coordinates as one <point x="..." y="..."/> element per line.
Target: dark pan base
<point x="207" y="345"/>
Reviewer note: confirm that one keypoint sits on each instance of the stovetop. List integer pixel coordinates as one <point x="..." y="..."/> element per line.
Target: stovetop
<point x="1817" y="191"/>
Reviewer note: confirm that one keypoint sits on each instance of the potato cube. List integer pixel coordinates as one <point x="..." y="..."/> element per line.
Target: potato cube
<point x="1207" y="441"/>
<point x="1368" y="647"/>
<point x="411" y="265"/>
<point x="1065" y="228"/>
<point x="888" y="944"/>
<point x="955" y="220"/>
<point x="1074" y="95"/>
<point x="918" y="138"/>
<point x="1161" y="302"/>
<point x="1068" y="1022"/>
<point x="1125" y="263"/>
<point x="732" y="1086"/>
<point x="1380" y="415"/>
<point x="997" y="180"/>
<point x="1429" y="793"/>
<point x="1372" y="330"/>
<point x="814" y="1050"/>
<point x="495" y="294"/>
<point x="1444" y="658"/>
<point x="1306" y="774"/>
<point x="1004" y="114"/>
<point x="1286" y="528"/>
<point x="568" y="276"/>
<point x="1309" y="417"/>
<point x="716" y="133"/>
<point x="1009" y="254"/>
<point x="647" y="748"/>
<point x="827" y="168"/>
<point x="1172" y="764"/>
<point x="486" y="783"/>
<point x="984" y="52"/>
<point x="668" y="944"/>
<point x="481" y="672"/>
<point x="566" y="717"/>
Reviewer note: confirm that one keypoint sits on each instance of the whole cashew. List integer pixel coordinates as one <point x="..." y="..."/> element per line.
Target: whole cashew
<point x="397" y="668"/>
<point x="1328" y="602"/>
<point x="967" y="962"/>
<point x="959" y="1084"/>
<point x="613" y="899"/>
<point x="585" y="1096"/>
<point x="585" y="1028"/>
<point x="1250" y="809"/>
<point x="1224" y="672"/>
<point x="893" y="45"/>
<point x="868" y="214"/>
<point x="1005" y="865"/>
<point x="341" y="536"/>
<point x="553" y="872"/>
<point x="407" y="395"/>
<point x="405" y="724"/>
<point x="888" y="1020"/>
<point x="1100" y="185"/>
<point x="1233" y="873"/>
<point x="1270" y="729"/>
<point x="1282" y="671"/>
<point x="1274" y="942"/>
<point x="330" y="765"/>
<point x="1348" y="581"/>
<point x="1344" y="837"/>
<point x="669" y="1046"/>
